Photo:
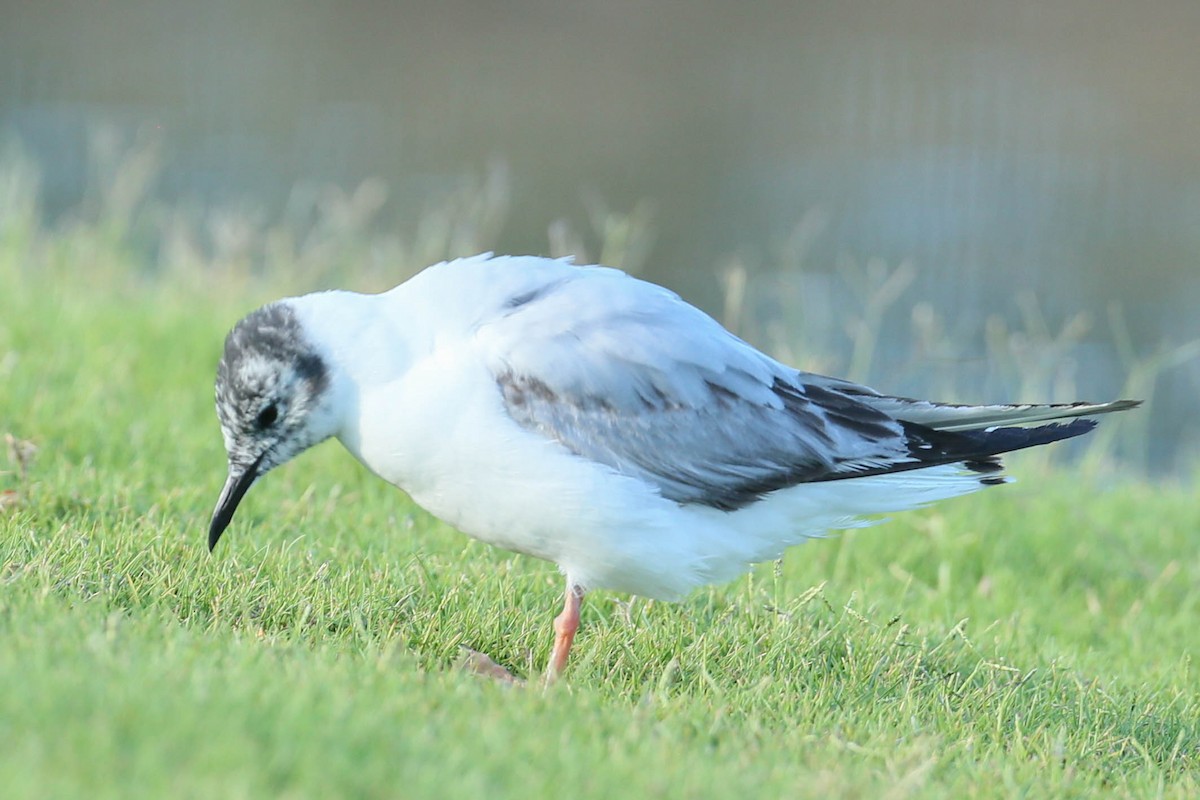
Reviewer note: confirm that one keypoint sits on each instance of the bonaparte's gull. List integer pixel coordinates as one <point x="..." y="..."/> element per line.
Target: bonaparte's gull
<point x="595" y="420"/>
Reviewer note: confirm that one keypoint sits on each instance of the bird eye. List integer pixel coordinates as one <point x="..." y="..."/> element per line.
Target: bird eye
<point x="266" y="418"/>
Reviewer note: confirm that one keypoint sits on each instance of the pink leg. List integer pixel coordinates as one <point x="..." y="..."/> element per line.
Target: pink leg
<point x="565" y="625"/>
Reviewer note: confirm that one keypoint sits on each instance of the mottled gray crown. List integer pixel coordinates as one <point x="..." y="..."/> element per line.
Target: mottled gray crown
<point x="267" y="359"/>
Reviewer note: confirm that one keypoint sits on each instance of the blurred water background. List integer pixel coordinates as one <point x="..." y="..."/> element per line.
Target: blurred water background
<point x="979" y="201"/>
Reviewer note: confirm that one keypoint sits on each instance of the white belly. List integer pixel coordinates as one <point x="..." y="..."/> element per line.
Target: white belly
<point x="441" y="433"/>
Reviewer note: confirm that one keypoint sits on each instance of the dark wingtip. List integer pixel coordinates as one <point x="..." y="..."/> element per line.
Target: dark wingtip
<point x="979" y="450"/>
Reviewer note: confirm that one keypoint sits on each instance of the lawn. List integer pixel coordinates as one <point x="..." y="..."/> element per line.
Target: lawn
<point x="1034" y="640"/>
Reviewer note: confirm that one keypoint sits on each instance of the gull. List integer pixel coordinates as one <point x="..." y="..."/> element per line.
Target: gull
<point x="594" y="420"/>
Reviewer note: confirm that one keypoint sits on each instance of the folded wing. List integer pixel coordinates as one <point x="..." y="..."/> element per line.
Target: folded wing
<point x="626" y="374"/>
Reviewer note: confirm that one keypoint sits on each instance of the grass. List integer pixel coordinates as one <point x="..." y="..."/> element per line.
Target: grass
<point x="1034" y="640"/>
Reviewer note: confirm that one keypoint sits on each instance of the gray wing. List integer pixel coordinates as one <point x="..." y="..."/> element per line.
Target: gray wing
<point x="625" y="373"/>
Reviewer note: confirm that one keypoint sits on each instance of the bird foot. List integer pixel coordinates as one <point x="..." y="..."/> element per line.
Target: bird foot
<point x="477" y="663"/>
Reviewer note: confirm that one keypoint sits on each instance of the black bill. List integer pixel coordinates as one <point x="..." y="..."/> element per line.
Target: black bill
<point x="236" y="486"/>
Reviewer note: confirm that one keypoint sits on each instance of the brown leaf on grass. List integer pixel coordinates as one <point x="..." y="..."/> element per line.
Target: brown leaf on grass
<point x="20" y="454"/>
<point x="9" y="499"/>
<point x="477" y="663"/>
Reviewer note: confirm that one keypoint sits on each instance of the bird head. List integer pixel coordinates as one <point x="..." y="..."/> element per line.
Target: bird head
<point x="273" y="401"/>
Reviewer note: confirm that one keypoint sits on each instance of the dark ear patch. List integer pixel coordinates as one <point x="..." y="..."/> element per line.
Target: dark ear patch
<point x="311" y="369"/>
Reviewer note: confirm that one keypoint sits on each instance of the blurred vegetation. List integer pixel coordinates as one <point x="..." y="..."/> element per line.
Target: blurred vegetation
<point x="123" y="239"/>
<point x="944" y="198"/>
